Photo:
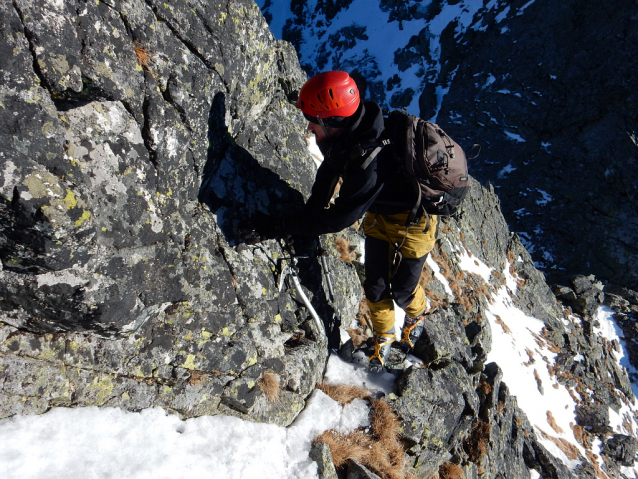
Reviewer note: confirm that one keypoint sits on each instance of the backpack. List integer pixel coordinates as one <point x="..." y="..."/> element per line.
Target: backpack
<point x="434" y="162"/>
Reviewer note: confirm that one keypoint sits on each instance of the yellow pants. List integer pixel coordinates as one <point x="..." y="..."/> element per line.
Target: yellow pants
<point x="383" y="234"/>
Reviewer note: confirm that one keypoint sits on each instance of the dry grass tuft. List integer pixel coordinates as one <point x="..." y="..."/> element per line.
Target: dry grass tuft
<point x="270" y="384"/>
<point x="552" y="422"/>
<point x="565" y="446"/>
<point x="449" y="470"/>
<point x="144" y="57"/>
<point x="344" y="393"/>
<point x="502" y="324"/>
<point x="345" y="249"/>
<point x="379" y="449"/>
<point x="364" y="315"/>
<point x="476" y="444"/>
<point x="485" y="387"/>
<point x="343" y="447"/>
<point x="357" y="335"/>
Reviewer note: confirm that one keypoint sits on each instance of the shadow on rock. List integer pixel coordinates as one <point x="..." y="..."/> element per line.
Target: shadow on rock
<point x="234" y="185"/>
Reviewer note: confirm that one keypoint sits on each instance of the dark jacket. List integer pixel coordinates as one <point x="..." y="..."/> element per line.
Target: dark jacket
<point x="379" y="188"/>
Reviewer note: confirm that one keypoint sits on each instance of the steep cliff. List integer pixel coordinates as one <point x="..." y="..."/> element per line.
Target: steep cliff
<point x="135" y="134"/>
<point x="119" y="287"/>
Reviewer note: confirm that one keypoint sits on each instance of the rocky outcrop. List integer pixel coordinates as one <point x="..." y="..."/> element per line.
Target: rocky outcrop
<point x="134" y="133"/>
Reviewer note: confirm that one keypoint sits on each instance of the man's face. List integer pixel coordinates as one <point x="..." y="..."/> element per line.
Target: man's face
<point x="320" y="133"/>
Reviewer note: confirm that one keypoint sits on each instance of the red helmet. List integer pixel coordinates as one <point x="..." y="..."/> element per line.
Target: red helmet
<point x="329" y="94"/>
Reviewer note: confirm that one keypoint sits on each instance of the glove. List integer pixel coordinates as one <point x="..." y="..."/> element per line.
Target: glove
<point x="259" y="228"/>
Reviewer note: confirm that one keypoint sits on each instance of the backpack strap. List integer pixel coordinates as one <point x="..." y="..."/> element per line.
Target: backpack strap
<point x="375" y="152"/>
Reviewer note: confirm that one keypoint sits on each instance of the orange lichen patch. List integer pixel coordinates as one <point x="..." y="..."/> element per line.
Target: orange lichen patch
<point x="552" y="422"/>
<point x="270" y="384"/>
<point x="197" y="377"/>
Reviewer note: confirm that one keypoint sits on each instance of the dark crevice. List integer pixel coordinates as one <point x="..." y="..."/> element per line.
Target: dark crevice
<point x="222" y="252"/>
<point x="129" y="30"/>
<point x="210" y="31"/>
<point x="188" y="44"/>
<point x="166" y="94"/>
<point x="146" y="133"/>
<point x="30" y="39"/>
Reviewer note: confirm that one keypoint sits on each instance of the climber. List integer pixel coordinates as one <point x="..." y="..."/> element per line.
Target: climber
<point x="349" y="133"/>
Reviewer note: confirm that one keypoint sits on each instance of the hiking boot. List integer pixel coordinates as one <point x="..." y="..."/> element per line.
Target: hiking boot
<point x="382" y="343"/>
<point x="412" y="329"/>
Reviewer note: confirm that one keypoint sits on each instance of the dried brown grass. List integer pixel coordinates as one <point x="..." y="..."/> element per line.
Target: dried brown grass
<point x="270" y="384"/>
<point x="552" y="422"/>
<point x="357" y="335"/>
<point x="379" y="448"/>
<point x="442" y="260"/>
<point x="485" y="387"/>
<point x="449" y="470"/>
<point x="344" y="393"/>
<point x="530" y="355"/>
<point x="345" y="249"/>
<point x="144" y="58"/>
<point x="565" y="446"/>
<point x="476" y="443"/>
<point x="539" y="381"/>
<point x="364" y="315"/>
<point x="502" y="324"/>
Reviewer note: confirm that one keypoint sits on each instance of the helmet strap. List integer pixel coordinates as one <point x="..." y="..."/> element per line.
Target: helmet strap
<point x="323" y="127"/>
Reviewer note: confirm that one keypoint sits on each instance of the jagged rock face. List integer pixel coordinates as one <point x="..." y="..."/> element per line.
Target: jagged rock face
<point x="545" y="89"/>
<point x="134" y="134"/>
